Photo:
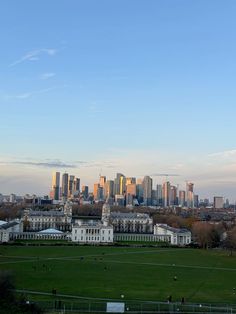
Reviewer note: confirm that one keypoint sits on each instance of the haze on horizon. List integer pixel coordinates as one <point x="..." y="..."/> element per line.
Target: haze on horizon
<point x="137" y="87"/>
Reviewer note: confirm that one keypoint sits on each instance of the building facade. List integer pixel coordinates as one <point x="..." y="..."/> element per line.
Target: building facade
<point x="180" y="237"/>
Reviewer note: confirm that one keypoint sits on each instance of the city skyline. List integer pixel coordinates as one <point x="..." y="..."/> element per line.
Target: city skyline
<point x="103" y="87"/>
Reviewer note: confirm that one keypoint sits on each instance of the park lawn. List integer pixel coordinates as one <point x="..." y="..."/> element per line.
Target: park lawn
<point x="136" y="273"/>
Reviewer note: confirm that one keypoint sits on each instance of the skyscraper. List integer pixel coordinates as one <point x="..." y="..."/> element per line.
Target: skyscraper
<point x="109" y="189"/>
<point x="166" y="194"/>
<point x="70" y="185"/>
<point x="56" y="186"/>
<point x="76" y="187"/>
<point x="147" y="190"/>
<point x="102" y="181"/>
<point x="122" y="185"/>
<point x="159" y="195"/>
<point x="182" y="200"/>
<point x="173" y="195"/>
<point x="218" y="202"/>
<point x="64" y="185"/>
<point x="85" y="191"/>
<point x="190" y="194"/>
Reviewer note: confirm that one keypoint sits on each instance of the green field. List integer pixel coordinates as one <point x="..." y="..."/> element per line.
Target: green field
<point x="136" y="273"/>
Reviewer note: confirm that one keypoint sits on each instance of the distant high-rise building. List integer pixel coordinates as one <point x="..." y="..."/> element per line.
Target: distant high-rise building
<point x="139" y="188"/>
<point x="173" y="195"/>
<point x="166" y="194"/>
<point x="131" y="189"/>
<point x="218" y="202"/>
<point x="102" y="181"/>
<point x="109" y="189"/>
<point x="130" y="180"/>
<point x="85" y="191"/>
<point x="122" y="185"/>
<point x="190" y="194"/>
<point x="196" y="201"/>
<point x="76" y="187"/>
<point x="117" y="184"/>
<point x="56" y="186"/>
<point x="70" y="185"/>
<point x="159" y="195"/>
<point x="147" y="190"/>
<point x="96" y="188"/>
<point x="182" y="200"/>
<point x="64" y="185"/>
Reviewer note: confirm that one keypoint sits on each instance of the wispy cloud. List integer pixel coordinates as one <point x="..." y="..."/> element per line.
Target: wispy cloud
<point x="29" y="94"/>
<point x="34" y="55"/>
<point x="96" y="164"/>
<point x="46" y="76"/>
<point x="224" y="154"/>
<point x="45" y="164"/>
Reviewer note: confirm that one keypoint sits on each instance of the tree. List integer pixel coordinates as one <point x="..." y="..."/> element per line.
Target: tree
<point x="9" y="303"/>
<point x="203" y="234"/>
<point x="230" y="241"/>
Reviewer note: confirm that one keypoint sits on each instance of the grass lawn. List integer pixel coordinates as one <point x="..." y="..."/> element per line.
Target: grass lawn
<point x="136" y="273"/>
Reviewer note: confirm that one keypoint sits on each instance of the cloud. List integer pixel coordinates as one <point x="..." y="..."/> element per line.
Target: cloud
<point x="224" y="154"/>
<point x="96" y="164"/>
<point x="46" y="76"/>
<point x="29" y="94"/>
<point x="34" y="55"/>
<point x="45" y="164"/>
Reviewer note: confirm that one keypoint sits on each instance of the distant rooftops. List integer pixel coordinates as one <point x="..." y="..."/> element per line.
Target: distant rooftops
<point x="175" y="230"/>
<point x="9" y="225"/>
<point x="45" y="213"/>
<point x="119" y="215"/>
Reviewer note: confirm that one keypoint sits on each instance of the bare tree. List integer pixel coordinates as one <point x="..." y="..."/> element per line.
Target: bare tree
<point x="230" y="241"/>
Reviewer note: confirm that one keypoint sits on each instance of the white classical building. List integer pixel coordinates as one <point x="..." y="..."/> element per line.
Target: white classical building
<point x="6" y="228"/>
<point x="131" y="223"/>
<point x="94" y="232"/>
<point x="172" y="235"/>
<point x="60" y="219"/>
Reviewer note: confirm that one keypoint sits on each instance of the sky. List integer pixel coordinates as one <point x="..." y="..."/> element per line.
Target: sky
<point x="138" y="87"/>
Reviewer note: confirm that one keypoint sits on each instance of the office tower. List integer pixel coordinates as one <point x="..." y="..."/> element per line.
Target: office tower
<point x="64" y="185"/>
<point x="166" y="194"/>
<point x="139" y="188"/>
<point x="96" y="187"/>
<point x="190" y="194"/>
<point x="159" y="195"/>
<point x="70" y="185"/>
<point x="173" y="195"/>
<point x="147" y="190"/>
<point x="76" y="187"/>
<point x="102" y="181"/>
<point x="218" y="202"/>
<point x="122" y="185"/>
<point x="117" y="183"/>
<point x="130" y="181"/>
<point x="131" y="189"/>
<point x="182" y="199"/>
<point x="131" y="192"/>
<point x="119" y="200"/>
<point x="109" y="189"/>
<point x="196" y="201"/>
<point x="56" y="186"/>
<point x="85" y="191"/>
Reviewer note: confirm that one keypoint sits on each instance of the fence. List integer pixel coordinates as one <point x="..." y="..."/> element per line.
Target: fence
<point x="60" y="306"/>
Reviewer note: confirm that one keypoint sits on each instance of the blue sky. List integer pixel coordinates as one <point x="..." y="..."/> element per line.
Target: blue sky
<point x="131" y="86"/>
